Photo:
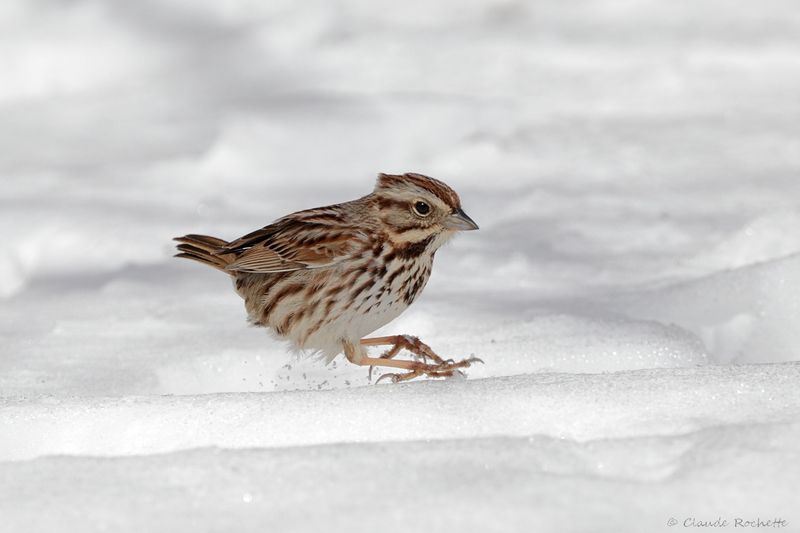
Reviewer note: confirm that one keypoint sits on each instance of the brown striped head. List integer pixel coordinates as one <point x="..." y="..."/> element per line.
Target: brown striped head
<point x="415" y="209"/>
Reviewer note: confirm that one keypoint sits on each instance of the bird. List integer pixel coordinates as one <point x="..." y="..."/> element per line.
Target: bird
<point x="325" y="278"/>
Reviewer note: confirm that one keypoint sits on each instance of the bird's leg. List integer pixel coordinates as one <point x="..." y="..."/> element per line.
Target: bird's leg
<point x="397" y="343"/>
<point x="442" y="368"/>
<point x="388" y="354"/>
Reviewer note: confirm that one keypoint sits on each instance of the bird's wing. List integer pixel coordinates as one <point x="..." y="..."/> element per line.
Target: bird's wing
<point x="294" y="244"/>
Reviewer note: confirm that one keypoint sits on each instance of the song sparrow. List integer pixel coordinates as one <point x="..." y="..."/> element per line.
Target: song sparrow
<point x="325" y="278"/>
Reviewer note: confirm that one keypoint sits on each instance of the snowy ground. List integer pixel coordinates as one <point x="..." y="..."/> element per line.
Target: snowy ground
<point x="633" y="291"/>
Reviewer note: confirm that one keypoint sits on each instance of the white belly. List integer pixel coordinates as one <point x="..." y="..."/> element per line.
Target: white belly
<point x="376" y="307"/>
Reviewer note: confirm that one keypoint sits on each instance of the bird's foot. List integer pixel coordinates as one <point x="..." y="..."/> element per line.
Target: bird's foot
<point x="446" y="369"/>
<point x="421" y="351"/>
<point x="426" y="362"/>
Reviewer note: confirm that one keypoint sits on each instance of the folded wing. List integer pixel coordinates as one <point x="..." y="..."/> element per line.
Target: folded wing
<point x="294" y="244"/>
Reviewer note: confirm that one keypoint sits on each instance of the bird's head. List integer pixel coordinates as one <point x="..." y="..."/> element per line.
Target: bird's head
<point x="414" y="208"/>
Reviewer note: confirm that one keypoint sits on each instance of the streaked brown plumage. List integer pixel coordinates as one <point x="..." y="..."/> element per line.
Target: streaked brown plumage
<point x="325" y="278"/>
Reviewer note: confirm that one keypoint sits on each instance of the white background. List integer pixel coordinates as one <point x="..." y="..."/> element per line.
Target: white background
<point x="635" y="169"/>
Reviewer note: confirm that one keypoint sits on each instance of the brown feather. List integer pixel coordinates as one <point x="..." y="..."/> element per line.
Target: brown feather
<point x="295" y="243"/>
<point x="203" y="249"/>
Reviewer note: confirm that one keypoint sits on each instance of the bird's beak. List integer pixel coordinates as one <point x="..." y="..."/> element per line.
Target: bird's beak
<point x="459" y="221"/>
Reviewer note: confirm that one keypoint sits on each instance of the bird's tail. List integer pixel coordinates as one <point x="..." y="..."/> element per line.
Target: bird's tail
<point x="205" y="249"/>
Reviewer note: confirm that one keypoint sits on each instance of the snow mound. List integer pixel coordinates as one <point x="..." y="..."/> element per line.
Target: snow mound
<point x="764" y="238"/>
<point x="483" y="484"/>
<point x="564" y="343"/>
<point x="746" y="315"/>
<point x="577" y="406"/>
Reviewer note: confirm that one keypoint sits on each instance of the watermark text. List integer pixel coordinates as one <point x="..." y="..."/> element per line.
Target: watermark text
<point x="734" y="522"/>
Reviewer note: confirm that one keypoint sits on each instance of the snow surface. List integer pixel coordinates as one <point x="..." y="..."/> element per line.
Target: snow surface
<point x="633" y="290"/>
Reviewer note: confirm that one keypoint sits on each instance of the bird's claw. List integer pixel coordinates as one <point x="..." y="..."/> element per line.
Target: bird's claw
<point x="397" y="378"/>
<point x="447" y="369"/>
<point x="392" y="377"/>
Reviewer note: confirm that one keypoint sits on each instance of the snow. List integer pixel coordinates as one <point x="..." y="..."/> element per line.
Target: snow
<point x="492" y="484"/>
<point x="639" y="403"/>
<point x="632" y="291"/>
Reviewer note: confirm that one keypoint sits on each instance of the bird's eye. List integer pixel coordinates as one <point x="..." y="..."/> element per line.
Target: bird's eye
<point x="422" y="209"/>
